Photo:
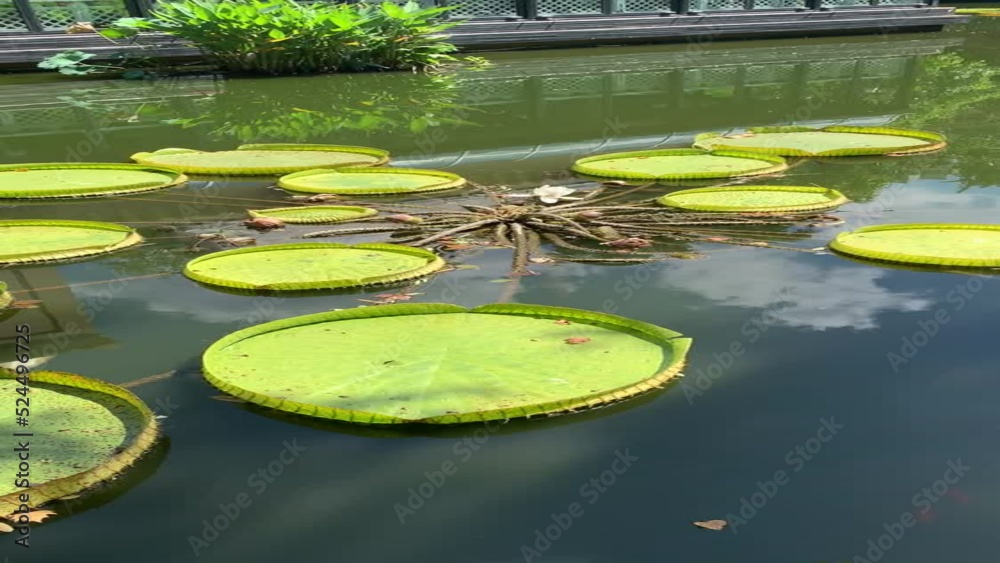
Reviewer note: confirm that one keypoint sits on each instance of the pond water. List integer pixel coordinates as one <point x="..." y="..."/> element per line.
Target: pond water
<point x="818" y="333"/>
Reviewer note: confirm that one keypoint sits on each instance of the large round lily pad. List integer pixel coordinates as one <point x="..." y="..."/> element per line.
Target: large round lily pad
<point x="84" y="431"/>
<point x="316" y="265"/>
<point x="828" y="141"/>
<point x="371" y="181"/>
<point x="678" y="164"/>
<point x="315" y="214"/>
<point x="444" y="364"/>
<point x="755" y="199"/>
<point x="972" y="246"/>
<point x="66" y="179"/>
<point x="29" y="240"/>
<point x="251" y="160"/>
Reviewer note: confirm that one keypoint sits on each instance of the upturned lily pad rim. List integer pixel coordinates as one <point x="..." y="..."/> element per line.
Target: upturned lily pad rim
<point x="129" y="238"/>
<point x="73" y="484"/>
<point x="275" y="212"/>
<point x="936" y="141"/>
<point x="834" y="197"/>
<point x="842" y="245"/>
<point x="586" y="165"/>
<point x="450" y="181"/>
<point x="676" y="342"/>
<point x="382" y="157"/>
<point x="434" y="263"/>
<point x="177" y="178"/>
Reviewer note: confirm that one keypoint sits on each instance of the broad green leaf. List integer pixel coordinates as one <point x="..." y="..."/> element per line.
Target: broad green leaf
<point x="315" y="214"/>
<point x="829" y="141"/>
<point x="678" y="164"/>
<point x="370" y="181"/>
<point x="758" y="199"/>
<point x="973" y="246"/>
<point x="93" y="431"/>
<point x="307" y="266"/>
<point x="28" y="240"/>
<point x="264" y="159"/>
<point x="29" y="181"/>
<point x="442" y="364"/>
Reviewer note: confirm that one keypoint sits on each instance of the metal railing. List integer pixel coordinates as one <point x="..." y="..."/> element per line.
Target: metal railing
<point x="33" y="16"/>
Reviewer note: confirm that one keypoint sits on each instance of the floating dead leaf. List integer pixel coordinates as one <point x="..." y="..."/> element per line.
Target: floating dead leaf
<point x="615" y="183"/>
<point x="241" y="241"/>
<point x="264" y="223"/>
<point x="33" y="516"/>
<point x="563" y="322"/>
<point x="540" y="260"/>
<point x="5" y="528"/>
<point x="390" y="298"/>
<point x="26" y="304"/>
<point x="455" y="247"/>
<point x="712" y="524"/>
<point x="758" y="243"/>
<point x="466" y="267"/>
<point x="717" y="239"/>
<point x="577" y="340"/>
<point x="404" y="218"/>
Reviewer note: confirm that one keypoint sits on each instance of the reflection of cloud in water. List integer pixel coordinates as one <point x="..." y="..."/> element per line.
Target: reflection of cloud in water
<point x="800" y="293"/>
<point x="180" y="296"/>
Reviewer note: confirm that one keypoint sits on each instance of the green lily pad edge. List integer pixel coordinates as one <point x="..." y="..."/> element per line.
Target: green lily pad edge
<point x="677" y="344"/>
<point x="125" y="456"/>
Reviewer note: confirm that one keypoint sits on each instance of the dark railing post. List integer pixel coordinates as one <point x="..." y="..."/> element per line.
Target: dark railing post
<point x="748" y="4"/>
<point x="528" y="9"/>
<point x="607" y="7"/>
<point x="680" y="6"/>
<point x="814" y="4"/>
<point x="27" y="15"/>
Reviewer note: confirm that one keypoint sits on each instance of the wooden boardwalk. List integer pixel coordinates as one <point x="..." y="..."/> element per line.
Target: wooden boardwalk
<point x="25" y="50"/>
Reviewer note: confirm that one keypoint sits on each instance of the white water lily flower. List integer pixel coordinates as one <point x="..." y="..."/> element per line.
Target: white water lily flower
<point x="552" y="194"/>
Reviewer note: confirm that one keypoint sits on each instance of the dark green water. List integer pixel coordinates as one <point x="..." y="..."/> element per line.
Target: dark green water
<point x="817" y="330"/>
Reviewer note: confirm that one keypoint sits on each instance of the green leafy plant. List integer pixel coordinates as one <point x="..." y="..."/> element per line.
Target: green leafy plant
<point x="74" y="63"/>
<point x="281" y="37"/>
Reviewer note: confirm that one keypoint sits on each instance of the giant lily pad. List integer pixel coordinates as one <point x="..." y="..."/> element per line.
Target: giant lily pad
<point x="371" y="181"/>
<point x="678" y="164"/>
<point x="29" y="240"/>
<point x="66" y="179"/>
<point x="755" y="199"/>
<point x="250" y="160"/>
<point x="315" y="214"/>
<point x="83" y="431"/>
<point x="971" y="246"/>
<point x="828" y="141"/>
<point x="317" y="265"/>
<point x="444" y="364"/>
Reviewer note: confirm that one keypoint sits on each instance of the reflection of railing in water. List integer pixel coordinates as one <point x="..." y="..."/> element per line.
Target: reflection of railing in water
<point x="857" y="78"/>
<point x="592" y="146"/>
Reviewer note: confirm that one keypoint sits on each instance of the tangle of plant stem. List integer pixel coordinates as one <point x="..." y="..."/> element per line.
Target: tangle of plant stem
<point x="633" y="231"/>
